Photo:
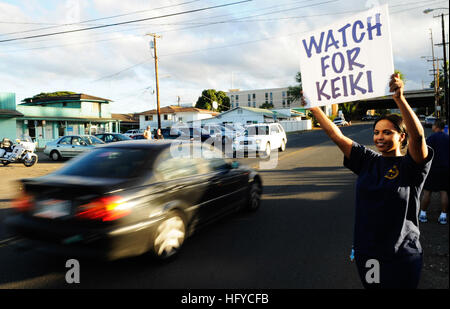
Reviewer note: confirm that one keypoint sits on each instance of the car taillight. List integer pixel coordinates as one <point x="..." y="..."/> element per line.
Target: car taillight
<point x="23" y="203"/>
<point x="104" y="209"/>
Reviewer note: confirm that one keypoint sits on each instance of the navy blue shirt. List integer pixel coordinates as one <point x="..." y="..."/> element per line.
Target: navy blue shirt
<point x="440" y="144"/>
<point x="387" y="202"/>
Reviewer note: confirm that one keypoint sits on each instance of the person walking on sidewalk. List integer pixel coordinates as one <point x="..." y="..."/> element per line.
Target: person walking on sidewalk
<point x="388" y="188"/>
<point x="437" y="180"/>
<point x="148" y="133"/>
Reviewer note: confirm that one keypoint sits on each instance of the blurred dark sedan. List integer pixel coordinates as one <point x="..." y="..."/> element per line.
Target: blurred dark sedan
<point x="129" y="198"/>
<point x="138" y="136"/>
<point x="193" y="134"/>
<point x="113" y="137"/>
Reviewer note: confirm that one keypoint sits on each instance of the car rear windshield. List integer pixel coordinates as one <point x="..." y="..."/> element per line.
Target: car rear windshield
<point x="109" y="163"/>
<point x="91" y="140"/>
<point x="257" y="130"/>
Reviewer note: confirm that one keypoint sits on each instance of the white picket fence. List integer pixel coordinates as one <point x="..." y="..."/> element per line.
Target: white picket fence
<point x="291" y="126"/>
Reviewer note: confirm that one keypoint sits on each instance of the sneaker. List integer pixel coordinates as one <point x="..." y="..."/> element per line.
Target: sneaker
<point x="442" y="220"/>
<point x="423" y="218"/>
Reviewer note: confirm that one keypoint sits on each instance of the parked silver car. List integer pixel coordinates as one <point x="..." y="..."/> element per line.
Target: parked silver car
<point x="429" y="121"/>
<point x="70" y="146"/>
<point x="340" y="121"/>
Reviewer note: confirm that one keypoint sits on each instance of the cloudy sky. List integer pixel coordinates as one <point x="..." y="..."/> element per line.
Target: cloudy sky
<point x="219" y="44"/>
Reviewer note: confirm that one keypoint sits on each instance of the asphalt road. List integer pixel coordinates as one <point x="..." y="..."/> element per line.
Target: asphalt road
<point x="299" y="239"/>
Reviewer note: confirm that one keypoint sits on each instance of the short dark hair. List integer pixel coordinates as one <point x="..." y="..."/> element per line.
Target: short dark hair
<point x="398" y="123"/>
<point x="439" y="124"/>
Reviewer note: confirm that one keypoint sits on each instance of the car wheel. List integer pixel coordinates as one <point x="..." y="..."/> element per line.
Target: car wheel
<point x="267" y="151"/>
<point x="55" y="156"/>
<point x="169" y="237"/>
<point x="254" y="196"/>
<point x="5" y="163"/>
<point x="283" y="146"/>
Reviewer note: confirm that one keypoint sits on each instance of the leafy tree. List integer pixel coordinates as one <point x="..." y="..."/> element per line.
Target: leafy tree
<point x="223" y="101"/>
<point x="441" y="78"/>
<point x="205" y="101"/>
<point x="266" y="105"/>
<point x="294" y="93"/>
<point x="402" y="76"/>
<point x="348" y="109"/>
<point x="50" y="94"/>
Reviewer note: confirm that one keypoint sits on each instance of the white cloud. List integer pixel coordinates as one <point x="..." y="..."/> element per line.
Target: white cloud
<point x="257" y="54"/>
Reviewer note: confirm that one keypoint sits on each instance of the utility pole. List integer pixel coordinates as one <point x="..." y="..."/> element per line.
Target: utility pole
<point x="436" y="87"/>
<point x="445" y="105"/>
<point x="158" y="111"/>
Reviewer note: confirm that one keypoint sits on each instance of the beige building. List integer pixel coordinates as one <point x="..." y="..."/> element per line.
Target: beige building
<point x="255" y="98"/>
<point x="278" y="97"/>
<point x="172" y="114"/>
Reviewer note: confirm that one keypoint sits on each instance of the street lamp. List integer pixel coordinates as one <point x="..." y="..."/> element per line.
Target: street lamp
<point x="445" y="60"/>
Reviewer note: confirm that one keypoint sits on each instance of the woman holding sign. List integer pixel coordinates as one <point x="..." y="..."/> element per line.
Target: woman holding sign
<point x="387" y="250"/>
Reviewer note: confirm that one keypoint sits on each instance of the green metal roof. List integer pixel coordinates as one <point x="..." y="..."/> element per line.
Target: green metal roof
<point x="8" y="113"/>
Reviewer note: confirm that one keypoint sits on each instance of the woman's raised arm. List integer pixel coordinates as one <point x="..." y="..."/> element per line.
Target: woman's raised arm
<point x="417" y="146"/>
<point x="344" y="143"/>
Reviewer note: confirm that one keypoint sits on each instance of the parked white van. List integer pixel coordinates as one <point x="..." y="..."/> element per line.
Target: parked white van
<point x="261" y="138"/>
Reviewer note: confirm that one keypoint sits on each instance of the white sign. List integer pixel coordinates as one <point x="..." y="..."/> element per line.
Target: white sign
<point x="349" y="60"/>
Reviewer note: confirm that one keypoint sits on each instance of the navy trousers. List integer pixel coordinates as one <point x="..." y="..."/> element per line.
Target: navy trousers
<point x="401" y="272"/>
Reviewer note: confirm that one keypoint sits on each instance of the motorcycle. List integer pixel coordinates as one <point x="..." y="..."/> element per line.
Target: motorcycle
<point x="20" y="152"/>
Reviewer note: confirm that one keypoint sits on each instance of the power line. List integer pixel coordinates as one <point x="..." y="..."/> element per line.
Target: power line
<point x="188" y="22"/>
<point x="186" y="28"/>
<point x="235" y="44"/>
<point x="177" y="29"/>
<point x="240" y="18"/>
<point x="97" y="19"/>
<point x="218" y="47"/>
<point x="127" y="22"/>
